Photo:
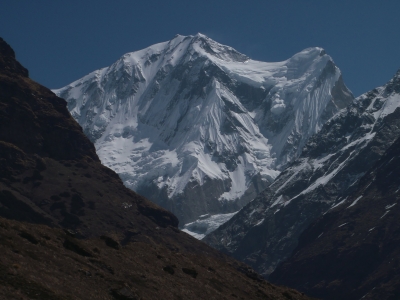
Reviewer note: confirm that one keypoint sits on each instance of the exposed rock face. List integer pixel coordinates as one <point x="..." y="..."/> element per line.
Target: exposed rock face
<point x="69" y="229"/>
<point x="353" y="251"/>
<point x="8" y="63"/>
<point x="200" y="128"/>
<point x="266" y="231"/>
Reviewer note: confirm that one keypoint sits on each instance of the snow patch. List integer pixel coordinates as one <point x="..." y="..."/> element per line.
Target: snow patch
<point x="340" y="203"/>
<point x="278" y="106"/>
<point x="206" y="224"/>
<point x="386" y="212"/>
<point x="354" y="202"/>
<point x="278" y="200"/>
<point x="390" y="206"/>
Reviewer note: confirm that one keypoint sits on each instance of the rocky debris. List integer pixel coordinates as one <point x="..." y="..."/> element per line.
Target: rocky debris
<point x="169" y="269"/>
<point x="191" y="272"/>
<point x="76" y="246"/>
<point x="124" y="293"/>
<point x="110" y="242"/>
<point x="48" y="270"/>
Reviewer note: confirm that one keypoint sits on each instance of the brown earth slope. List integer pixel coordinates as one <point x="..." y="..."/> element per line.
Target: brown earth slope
<point x="69" y="229"/>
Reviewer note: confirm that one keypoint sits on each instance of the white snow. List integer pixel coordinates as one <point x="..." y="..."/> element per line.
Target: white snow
<point x="278" y="200"/>
<point x="319" y="163"/>
<point x="150" y="127"/>
<point x="259" y="222"/>
<point x="390" y="206"/>
<point x="323" y="180"/>
<point x="296" y="170"/>
<point x="390" y="105"/>
<point x="340" y="203"/>
<point x="346" y="154"/>
<point x="206" y="224"/>
<point x="386" y="212"/>
<point x="387" y="208"/>
<point x="354" y="202"/>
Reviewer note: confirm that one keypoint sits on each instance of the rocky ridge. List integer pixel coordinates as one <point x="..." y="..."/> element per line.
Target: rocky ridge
<point x="266" y="231"/>
<point x="353" y="251"/>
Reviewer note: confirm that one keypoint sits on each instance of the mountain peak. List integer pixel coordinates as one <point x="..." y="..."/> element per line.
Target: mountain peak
<point x="393" y="86"/>
<point x="200" y="35"/>
<point x="315" y="50"/>
<point x="189" y="115"/>
<point x="6" y="50"/>
<point x="308" y="54"/>
<point x="396" y="75"/>
<point x="8" y="61"/>
<point x="206" y="46"/>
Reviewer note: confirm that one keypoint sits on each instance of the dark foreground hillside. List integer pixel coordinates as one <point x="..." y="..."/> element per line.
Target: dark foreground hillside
<point x="353" y="251"/>
<point x="69" y="229"/>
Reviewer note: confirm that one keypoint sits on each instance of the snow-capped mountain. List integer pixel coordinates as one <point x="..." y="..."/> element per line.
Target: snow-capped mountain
<point x="266" y="231"/>
<point x="200" y="128"/>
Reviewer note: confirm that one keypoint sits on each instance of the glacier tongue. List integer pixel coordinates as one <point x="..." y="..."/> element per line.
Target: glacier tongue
<point x="200" y="128"/>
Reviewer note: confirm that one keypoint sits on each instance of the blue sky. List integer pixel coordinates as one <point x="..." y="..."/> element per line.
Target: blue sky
<point x="61" y="41"/>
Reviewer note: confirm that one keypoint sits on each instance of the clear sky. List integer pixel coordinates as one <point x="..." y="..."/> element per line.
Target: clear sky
<point x="61" y="41"/>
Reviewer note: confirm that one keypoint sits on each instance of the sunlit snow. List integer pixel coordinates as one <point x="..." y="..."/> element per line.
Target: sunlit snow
<point x="150" y="127"/>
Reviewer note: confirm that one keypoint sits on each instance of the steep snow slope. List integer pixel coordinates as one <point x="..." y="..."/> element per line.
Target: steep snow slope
<point x="200" y="128"/>
<point x="266" y="231"/>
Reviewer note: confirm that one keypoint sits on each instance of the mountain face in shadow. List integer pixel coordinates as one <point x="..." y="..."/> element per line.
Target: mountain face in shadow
<point x="353" y="250"/>
<point x="69" y="229"/>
